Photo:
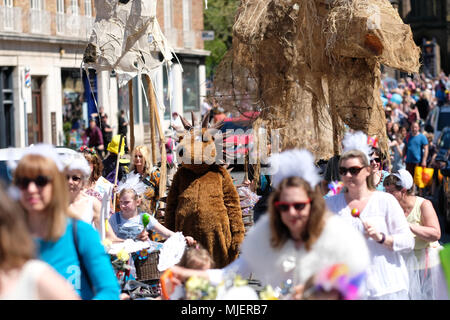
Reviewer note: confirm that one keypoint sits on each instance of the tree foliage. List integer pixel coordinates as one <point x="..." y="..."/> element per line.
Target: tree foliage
<point x="219" y="17"/>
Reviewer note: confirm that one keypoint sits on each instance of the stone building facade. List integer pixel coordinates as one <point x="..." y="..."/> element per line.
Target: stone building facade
<point x="43" y="90"/>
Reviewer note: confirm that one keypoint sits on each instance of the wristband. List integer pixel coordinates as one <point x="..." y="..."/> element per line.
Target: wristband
<point x="383" y="238"/>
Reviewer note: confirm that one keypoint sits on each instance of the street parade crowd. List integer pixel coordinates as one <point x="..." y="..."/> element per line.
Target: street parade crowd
<point x="360" y="226"/>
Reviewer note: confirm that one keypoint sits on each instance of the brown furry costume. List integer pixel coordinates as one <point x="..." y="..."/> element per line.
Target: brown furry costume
<point x="203" y="202"/>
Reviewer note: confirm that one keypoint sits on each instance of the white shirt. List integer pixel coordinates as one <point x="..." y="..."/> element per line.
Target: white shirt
<point x="387" y="272"/>
<point x="26" y="287"/>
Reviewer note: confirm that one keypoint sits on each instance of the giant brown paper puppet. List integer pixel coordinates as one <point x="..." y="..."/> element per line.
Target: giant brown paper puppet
<point x="202" y="201"/>
<point x="313" y="66"/>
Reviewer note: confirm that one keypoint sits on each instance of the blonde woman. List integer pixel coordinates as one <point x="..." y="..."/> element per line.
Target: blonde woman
<point x="22" y="277"/>
<point x="70" y="246"/>
<point x="381" y="221"/>
<point x="141" y="165"/>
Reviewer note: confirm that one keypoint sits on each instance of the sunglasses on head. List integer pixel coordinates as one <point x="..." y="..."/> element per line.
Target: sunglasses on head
<point x="39" y="181"/>
<point x="74" y="178"/>
<point x="285" y="206"/>
<point x="353" y="170"/>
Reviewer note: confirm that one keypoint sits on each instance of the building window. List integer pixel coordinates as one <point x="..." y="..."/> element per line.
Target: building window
<point x="37" y="4"/>
<point x="60" y="6"/>
<point x="88" y="8"/>
<point x="124" y="101"/>
<point x="168" y="15"/>
<point x="8" y="15"/>
<point x="73" y="7"/>
<point x="191" y="92"/>
<point x="60" y="16"/>
<point x="40" y="20"/>
<point x="166" y="97"/>
<point x="6" y="107"/>
<point x="187" y="15"/>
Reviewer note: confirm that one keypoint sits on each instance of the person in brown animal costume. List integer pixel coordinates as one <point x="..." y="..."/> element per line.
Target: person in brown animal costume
<point x="203" y="202"/>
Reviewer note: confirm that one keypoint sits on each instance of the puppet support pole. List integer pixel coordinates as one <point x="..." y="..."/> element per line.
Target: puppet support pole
<point x="130" y="102"/>
<point x="154" y="114"/>
<point x="152" y="98"/>
<point x="119" y="151"/>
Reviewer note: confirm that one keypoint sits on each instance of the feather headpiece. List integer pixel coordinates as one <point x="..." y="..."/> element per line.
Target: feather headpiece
<point x="42" y="149"/>
<point x="133" y="181"/>
<point x="357" y="141"/>
<point x="77" y="162"/>
<point x="294" y="163"/>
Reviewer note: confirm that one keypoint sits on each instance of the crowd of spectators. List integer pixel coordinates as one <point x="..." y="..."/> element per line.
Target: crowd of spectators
<point x="409" y="103"/>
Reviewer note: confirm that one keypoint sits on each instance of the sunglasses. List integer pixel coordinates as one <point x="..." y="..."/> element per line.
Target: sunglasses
<point x="74" y="178"/>
<point x="377" y="160"/>
<point x="285" y="206"/>
<point x="353" y="170"/>
<point x="39" y="181"/>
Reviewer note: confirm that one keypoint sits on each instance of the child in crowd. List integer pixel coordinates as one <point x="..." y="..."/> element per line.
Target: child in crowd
<point x="127" y="223"/>
<point x="195" y="257"/>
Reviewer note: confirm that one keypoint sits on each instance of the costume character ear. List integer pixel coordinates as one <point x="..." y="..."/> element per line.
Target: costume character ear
<point x="186" y="124"/>
<point x="218" y="125"/>
<point x="205" y="120"/>
<point x="194" y="119"/>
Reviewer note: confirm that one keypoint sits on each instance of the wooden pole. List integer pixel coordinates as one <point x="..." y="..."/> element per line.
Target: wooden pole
<point x="130" y="102"/>
<point x="121" y="142"/>
<point x="154" y="114"/>
<point x="246" y="164"/>
<point x="153" y="107"/>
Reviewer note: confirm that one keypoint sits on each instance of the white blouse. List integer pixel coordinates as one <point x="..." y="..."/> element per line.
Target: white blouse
<point x="26" y="287"/>
<point x="387" y="273"/>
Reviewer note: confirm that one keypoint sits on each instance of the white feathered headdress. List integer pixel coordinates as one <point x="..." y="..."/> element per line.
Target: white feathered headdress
<point x="42" y="149"/>
<point x="133" y="181"/>
<point x="357" y="141"/>
<point x="77" y="162"/>
<point x="294" y="163"/>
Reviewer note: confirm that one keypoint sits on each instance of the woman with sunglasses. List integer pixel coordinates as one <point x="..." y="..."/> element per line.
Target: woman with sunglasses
<point x="381" y="220"/>
<point x="72" y="247"/>
<point x="298" y="237"/>
<point x="424" y="224"/>
<point x="379" y="174"/>
<point x="22" y="277"/>
<point x="85" y="206"/>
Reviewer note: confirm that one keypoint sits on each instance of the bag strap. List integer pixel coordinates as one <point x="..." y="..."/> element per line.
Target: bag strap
<point x="80" y="258"/>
